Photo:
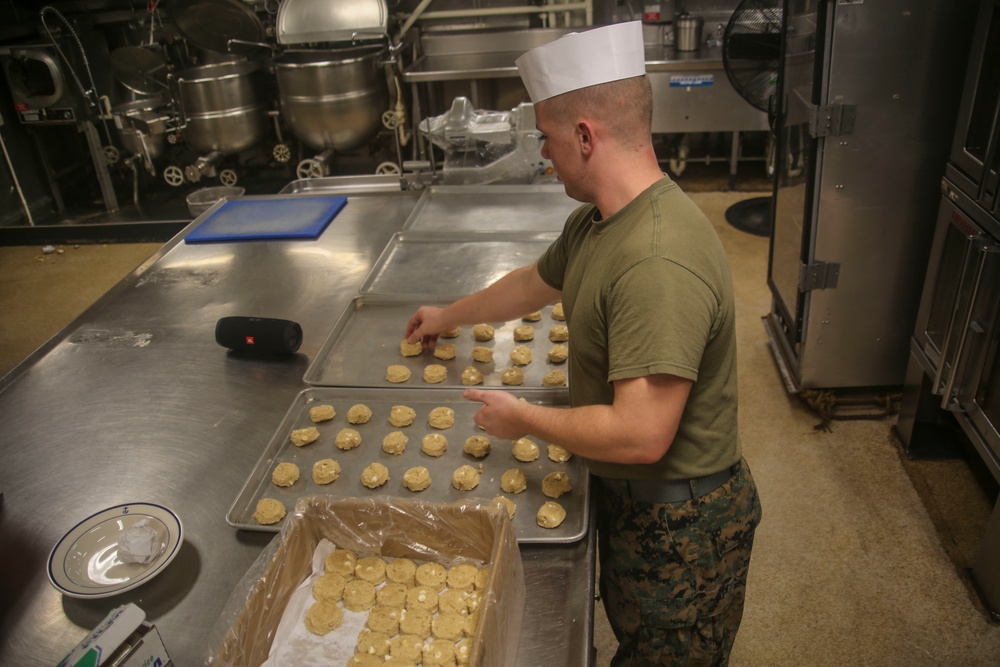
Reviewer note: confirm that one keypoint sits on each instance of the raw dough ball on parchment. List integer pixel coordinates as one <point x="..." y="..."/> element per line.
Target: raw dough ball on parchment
<point x="439" y="653"/>
<point x="410" y="349"/>
<point x="445" y="352"/>
<point x="482" y="332"/>
<point x="415" y="622"/>
<point x="397" y="374"/>
<point x="524" y="332"/>
<point x="465" y="478"/>
<point x="550" y="515"/>
<point x="329" y="587"/>
<point x="525" y="450"/>
<point x="462" y="577"/>
<point x="268" y="511"/>
<point x="513" y="377"/>
<point x="370" y="569"/>
<point x="325" y="471"/>
<point x="513" y="481"/>
<point x="478" y="446"/>
<point x="435" y="373"/>
<point x="401" y="571"/>
<point x="422" y="597"/>
<point x="508" y="504"/>
<point x="558" y="353"/>
<point x="521" y="355"/>
<point x="303" y="436"/>
<point x="385" y="620"/>
<point x="395" y="443"/>
<point x="441" y="418"/>
<point x="559" y="334"/>
<point x="359" y="595"/>
<point x="392" y="594"/>
<point x="471" y="376"/>
<point x="323" y="617"/>
<point x="556" y="378"/>
<point x="483" y="355"/>
<point x="375" y="475"/>
<point x="373" y="643"/>
<point x="402" y="415"/>
<point x="557" y="312"/>
<point x="454" y="600"/>
<point x="285" y="474"/>
<point x="365" y="660"/>
<point x="322" y="413"/>
<point x="434" y="444"/>
<point x="448" y="625"/>
<point x="559" y="454"/>
<point x="348" y="438"/>
<point x="533" y="317"/>
<point x="451" y="333"/>
<point x="432" y="575"/>
<point x="342" y="562"/>
<point x="556" y="484"/>
<point x="417" y="479"/>
<point x="359" y="414"/>
<point x="407" y="647"/>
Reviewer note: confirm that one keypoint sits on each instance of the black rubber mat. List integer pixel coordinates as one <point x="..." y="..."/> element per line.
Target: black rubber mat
<point x="752" y="216"/>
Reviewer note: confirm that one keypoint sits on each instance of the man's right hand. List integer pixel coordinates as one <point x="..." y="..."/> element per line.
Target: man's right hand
<point x="425" y="325"/>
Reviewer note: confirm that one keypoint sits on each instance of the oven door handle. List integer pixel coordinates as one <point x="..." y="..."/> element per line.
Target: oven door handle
<point x="949" y="332"/>
<point x="947" y="400"/>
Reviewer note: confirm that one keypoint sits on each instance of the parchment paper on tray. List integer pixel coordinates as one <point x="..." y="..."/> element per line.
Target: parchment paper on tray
<point x="365" y="342"/>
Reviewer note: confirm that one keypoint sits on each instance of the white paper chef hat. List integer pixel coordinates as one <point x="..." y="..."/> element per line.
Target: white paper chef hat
<point x="581" y="59"/>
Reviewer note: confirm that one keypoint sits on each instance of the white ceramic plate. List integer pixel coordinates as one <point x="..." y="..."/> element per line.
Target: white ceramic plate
<point x="85" y="564"/>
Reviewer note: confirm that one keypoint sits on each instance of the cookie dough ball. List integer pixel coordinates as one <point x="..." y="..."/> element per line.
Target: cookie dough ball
<point x="434" y="444"/>
<point x="322" y="413"/>
<point x="556" y="378"/>
<point x="304" y="436"/>
<point x="269" y="511"/>
<point x="407" y="647"/>
<point x="397" y="374"/>
<point x="325" y="471"/>
<point x="348" y="438"/>
<point x="392" y="594"/>
<point x="525" y="450"/>
<point x="471" y="376"/>
<point x="513" y="481"/>
<point x="550" y="515"/>
<point x="410" y="349"/>
<point x="323" y="617"/>
<point x="402" y="415"/>
<point x="394" y="443"/>
<point x="448" y="625"/>
<point x="478" y="446"/>
<point x="374" y="475"/>
<point x="559" y="454"/>
<point x="471" y="623"/>
<point x="465" y="478"/>
<point x="559" y="334"/>
<point x="524" y="332"/>
<point x="451" y="333"/>
<point x="415" y="622"/>
<point x="445" y="352"/>
<point x="422" y="597"/>
<point x="384" y="620"/>
<point x="453" y="600"/>
<point x="370" y="569"/>
<point x="432" y="575"/>
<point x="521" y="355"/>
<point x="558" y="353"/>
<point x="462" y="577"/>
<point x="366" y="661"/>
<point x="557" y="312"/>
<point x="441" y="418"/>
<point x="342" y="562"/>
<point x="373" y="643"/>
<point x="482" y="332"/>
<point x="533" y="317"/>
<point x="439" y="653"/>
<point x="401" y="571"/>
<point x="508" y="505"/>
<point x="435" y="373"/>
<point x="417" y="479"/>
<point x="285" y="474"/>
<point x="359" y="414"/>
<point x="482" y="578"/>
<point x="329" y="587"/>
<point x="359" y="595"/>
<point x="556" y="484"/>
<point x="463" y="653"/>
<point x="483" y="355"/>
<point x="513" y="377"/>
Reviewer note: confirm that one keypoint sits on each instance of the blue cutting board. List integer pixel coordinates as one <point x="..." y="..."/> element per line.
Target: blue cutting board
<point x="268" y="218"/>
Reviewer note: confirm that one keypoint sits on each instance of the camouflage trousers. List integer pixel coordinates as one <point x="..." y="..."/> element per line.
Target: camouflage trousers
<point x="673" y="575"/>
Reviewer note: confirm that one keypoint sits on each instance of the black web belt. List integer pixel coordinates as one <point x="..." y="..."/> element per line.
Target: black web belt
<point x="669" y="490"/>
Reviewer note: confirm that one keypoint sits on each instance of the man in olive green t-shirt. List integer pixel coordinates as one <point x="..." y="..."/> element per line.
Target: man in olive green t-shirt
<point x="649" y="305"/>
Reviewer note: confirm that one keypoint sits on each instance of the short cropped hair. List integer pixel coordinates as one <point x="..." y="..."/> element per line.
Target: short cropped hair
<point x="624" y="106"/>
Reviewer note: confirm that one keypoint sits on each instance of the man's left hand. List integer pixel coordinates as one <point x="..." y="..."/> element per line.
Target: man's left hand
<point x="498" y="414"/>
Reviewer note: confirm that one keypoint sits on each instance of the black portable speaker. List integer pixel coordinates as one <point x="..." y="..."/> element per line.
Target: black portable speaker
<point x="264" y="335"/>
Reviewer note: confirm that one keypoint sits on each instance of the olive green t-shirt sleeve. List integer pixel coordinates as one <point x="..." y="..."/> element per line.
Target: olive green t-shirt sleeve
<point x="660" y="318"/>
<point x="552" y="263"/>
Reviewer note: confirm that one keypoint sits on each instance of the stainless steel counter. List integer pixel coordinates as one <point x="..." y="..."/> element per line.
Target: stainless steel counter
<point x="134" y="401"/>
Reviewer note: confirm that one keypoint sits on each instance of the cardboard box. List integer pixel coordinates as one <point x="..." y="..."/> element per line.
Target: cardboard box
<point x="122" y="639"/>
<point x="477" y="530"/>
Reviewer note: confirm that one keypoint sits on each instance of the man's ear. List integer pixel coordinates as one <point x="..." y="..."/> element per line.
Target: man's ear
<point x="585" y="137"/>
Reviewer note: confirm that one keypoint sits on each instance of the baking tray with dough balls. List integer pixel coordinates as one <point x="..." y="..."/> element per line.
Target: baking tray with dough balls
<point x="366" y="349"/>
<point x="411" y="443"/>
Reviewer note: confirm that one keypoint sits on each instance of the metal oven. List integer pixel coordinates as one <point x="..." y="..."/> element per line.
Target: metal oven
<point x="44" y="89"/>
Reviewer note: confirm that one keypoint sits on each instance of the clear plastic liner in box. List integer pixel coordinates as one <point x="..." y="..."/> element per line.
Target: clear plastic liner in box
<point x="472" y="530"/>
